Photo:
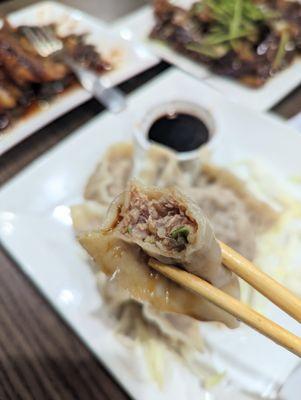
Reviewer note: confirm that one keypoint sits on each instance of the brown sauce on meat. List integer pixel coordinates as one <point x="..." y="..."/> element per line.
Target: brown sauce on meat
<point x="179" y="131"/>
<point x="20" y="114"/>
<point x="29" y="81"/>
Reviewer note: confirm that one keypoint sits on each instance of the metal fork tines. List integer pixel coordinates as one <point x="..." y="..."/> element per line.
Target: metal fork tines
<point x="47" y="44"/>
<point x="43" y="40"/>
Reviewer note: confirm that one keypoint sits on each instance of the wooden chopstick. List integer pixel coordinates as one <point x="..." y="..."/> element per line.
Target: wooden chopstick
<point x="260" y="281"/>
<point x="233" y="306"/>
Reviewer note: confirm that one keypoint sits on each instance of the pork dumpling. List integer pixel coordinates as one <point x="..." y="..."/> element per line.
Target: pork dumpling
<point x="162" y="223"/>
<point x="169" y="227"/>
<point x="261" y="214"/>
<point x="228" y="217"/>
<point x="177" y="328"/>
<point x="233" y="211"/>
<point x="111" y="174"/>
<point x="160" y="168"/>
<point x="87" y="216"/>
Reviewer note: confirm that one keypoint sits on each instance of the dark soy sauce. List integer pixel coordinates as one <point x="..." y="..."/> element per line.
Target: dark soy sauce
<point x="180" y="131"/>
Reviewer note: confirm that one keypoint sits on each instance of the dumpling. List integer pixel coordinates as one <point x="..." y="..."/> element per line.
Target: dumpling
<point x="160" y="168"/>
<point x="261" y="214"/>
<point x="228" y="217"/>
<point x="169" y="227"/>
<point x="162" y="223"/>
<point x="87" y="216"/>
<point x="177" y="328"/>
<point x="233" y="211"/>
<point x="111" y="174"/>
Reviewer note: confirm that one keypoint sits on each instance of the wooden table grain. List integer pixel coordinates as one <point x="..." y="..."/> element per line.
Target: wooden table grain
<point x="40" y="357"/>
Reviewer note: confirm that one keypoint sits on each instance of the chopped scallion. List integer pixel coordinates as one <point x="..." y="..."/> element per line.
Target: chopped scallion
<point x="180" y="233"/>
<point x="284" y="39"/>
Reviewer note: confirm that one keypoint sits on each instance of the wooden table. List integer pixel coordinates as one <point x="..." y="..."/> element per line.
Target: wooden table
<point x="40" y="357"/>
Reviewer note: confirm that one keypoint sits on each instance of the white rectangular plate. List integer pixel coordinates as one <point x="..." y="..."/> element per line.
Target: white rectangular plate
<point x="140" y="23"/>
<point x="35" y="228"/>
<point x="128" y="57"/>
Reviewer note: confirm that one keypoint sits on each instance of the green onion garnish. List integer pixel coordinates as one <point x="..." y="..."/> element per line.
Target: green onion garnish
<point x="180" y="233"/>
<point x="284" y="39"/>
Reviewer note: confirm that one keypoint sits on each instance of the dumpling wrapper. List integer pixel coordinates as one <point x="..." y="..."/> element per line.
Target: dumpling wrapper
<point x="111" y="174"/>
<point x="124" y="259"/>
<point x="261" y="214"/>
<point x="228" y="217"/>
<point x="179" y="329"/>
<point x="87" y="216"/>
<point x="160" y="168"/>
<point x="126" y="265"/>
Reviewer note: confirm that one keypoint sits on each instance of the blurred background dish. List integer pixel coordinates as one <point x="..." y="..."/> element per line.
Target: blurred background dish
<point x="244" y="40"/>
<point x="141" y="24"/>
<point x="31" y="98"/>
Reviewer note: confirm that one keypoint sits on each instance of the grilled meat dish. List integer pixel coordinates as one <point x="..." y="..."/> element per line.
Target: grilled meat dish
<point x="26" y="78"/>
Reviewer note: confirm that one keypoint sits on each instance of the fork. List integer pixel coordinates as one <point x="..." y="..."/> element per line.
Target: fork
<point x="47" y="44"/>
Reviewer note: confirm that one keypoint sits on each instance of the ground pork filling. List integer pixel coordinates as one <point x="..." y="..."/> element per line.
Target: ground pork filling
<point x="162" y="222"/>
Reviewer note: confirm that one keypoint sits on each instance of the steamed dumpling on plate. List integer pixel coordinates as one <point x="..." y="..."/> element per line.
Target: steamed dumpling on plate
<point x="111" y="174"/>
<point x="87" y="216"/>
<point x="234" y="212"/>
<point x="160" y="168"/>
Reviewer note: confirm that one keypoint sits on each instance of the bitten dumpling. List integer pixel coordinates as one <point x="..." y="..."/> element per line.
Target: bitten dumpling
<point x="162" y="223"/>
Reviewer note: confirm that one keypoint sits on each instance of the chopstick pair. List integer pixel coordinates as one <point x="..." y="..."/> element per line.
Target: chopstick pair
<point x="266" y="285"/>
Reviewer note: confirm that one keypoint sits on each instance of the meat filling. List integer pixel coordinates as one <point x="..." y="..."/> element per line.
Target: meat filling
<point x="162" y="222"/>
